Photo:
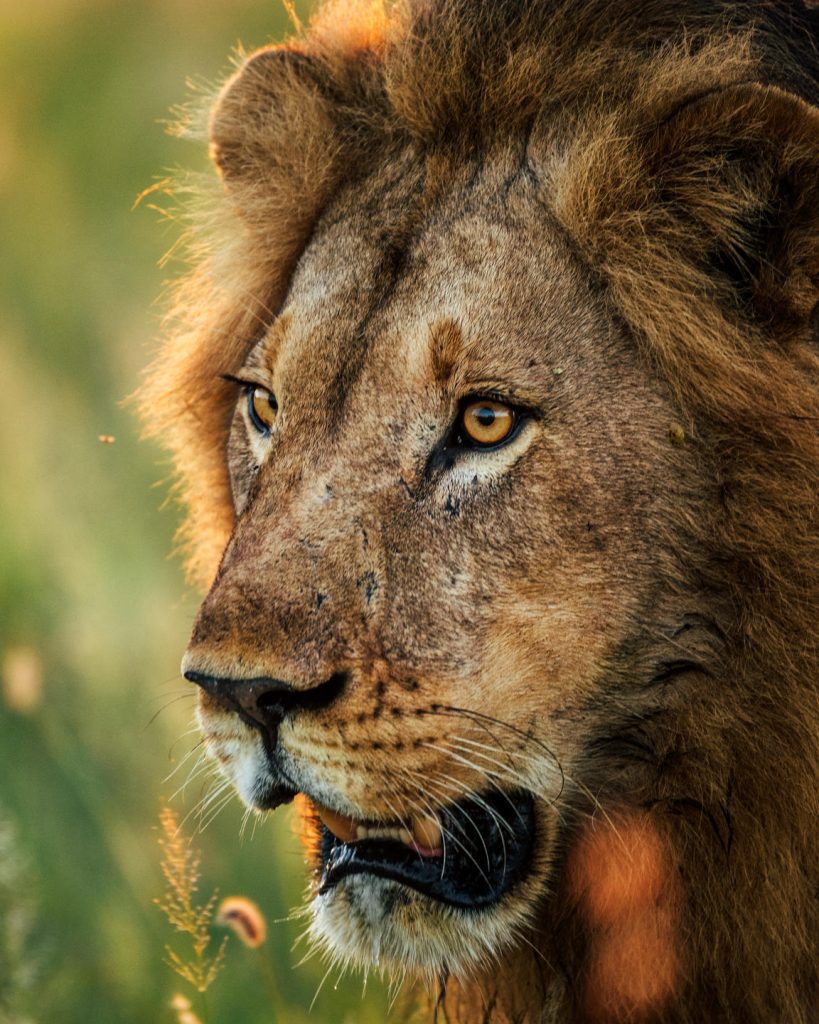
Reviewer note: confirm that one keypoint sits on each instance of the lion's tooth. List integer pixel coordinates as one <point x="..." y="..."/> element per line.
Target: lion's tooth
<point x="340" y="825"/>
<point x="426" y="832"/>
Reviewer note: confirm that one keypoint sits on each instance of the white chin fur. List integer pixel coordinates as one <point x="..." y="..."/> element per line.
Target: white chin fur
<point x="368" y="921"/>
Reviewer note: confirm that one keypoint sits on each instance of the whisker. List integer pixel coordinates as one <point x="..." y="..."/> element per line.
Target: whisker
<point x="484" y="773"/>
<point x="200" y="766"/>
<point x="457" y="787"/>
<point x="177" y="768"/>
<point x="480" y="717"/>
<point x="170" y="703"/>
<point x="207" y="800"/>
<point x="217" y="810"/>
<point x="245" y="818"/>
<point x="321" y="986"/>
<point x="458" y="843"/>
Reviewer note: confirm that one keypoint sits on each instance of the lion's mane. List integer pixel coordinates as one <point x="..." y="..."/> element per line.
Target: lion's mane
<point x="678" y="149"/>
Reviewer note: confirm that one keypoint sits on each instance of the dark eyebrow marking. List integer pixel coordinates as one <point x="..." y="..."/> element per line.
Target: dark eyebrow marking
<point x="447" y="349"/>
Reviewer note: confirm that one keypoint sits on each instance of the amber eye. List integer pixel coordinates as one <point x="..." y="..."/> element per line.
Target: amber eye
<point x="262" y="409"/>
<point x="486" y="423"/>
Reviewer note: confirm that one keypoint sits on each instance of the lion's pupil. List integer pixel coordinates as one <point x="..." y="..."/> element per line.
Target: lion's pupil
<point x="487" y="423"/>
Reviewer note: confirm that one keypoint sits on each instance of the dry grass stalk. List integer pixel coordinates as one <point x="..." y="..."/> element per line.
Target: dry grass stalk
<point x="180" y="866"/>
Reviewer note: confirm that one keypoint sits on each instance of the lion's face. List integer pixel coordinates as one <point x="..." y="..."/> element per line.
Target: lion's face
<point x="410" y="627"/>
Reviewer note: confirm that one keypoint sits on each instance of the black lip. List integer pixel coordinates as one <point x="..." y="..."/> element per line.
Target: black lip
<point x="488" y="849"/>
<point x="274" y="795"/>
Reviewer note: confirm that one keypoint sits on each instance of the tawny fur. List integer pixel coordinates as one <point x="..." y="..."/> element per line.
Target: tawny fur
<point x="677" y="151"/>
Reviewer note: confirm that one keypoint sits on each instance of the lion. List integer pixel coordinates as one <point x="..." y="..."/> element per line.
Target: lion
<point x="493" y="396"/>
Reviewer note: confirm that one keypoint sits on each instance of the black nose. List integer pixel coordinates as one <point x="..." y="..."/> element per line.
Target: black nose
<point x="264" y="702"/>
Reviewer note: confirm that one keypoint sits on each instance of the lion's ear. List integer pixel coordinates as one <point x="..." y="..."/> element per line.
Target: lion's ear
<point x="275" y="140"/>
<point x="737" y="171"/>
<point x="275" y="93"/>
<point x="714" y="196"/>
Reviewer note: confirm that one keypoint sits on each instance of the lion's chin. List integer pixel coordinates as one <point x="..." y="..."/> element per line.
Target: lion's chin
<point x="367" y="921"/>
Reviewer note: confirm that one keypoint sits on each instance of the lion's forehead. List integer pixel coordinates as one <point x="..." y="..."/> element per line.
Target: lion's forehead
<point x="378" y="316"/>
<point x="374" y="285"/>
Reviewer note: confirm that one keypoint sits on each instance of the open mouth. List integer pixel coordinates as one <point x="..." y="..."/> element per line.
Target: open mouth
<point x="468" y="855"/>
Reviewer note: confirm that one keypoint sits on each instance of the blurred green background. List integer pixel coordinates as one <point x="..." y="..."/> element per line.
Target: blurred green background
<point x="94" y="614"/>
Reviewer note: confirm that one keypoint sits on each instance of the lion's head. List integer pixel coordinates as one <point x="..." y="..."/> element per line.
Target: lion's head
<point x="496" y="389"/>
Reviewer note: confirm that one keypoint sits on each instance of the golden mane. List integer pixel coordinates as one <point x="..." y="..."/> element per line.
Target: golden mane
<point x="677" y="147"/>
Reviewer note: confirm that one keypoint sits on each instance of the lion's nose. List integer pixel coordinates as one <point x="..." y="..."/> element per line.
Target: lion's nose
<point x="265" y="702"/>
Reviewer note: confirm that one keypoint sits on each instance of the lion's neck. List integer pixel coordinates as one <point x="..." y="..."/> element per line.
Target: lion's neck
<point x="523" y="989"/>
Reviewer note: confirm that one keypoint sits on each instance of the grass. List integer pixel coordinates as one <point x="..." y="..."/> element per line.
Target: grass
<point x="90" y="604"/>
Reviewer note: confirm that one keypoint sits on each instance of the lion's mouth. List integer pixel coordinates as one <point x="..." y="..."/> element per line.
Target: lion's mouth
<point x="468" y="856"/>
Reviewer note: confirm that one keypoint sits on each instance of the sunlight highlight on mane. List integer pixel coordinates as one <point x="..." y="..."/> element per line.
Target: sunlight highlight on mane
<point x="623" y="878"/>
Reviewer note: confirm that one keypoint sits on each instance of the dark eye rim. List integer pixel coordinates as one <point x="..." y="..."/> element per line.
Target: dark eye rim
<point x="249" y="387"/>
<point x="459" y="437"/>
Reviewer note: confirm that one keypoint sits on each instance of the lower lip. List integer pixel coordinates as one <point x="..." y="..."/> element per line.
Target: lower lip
<point x="273" y="797"/>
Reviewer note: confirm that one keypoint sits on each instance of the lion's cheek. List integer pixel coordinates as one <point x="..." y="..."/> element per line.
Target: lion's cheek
<point x="623" y="878"/>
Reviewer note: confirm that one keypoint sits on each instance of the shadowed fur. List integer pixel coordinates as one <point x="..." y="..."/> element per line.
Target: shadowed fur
<point x="642" y="178"/>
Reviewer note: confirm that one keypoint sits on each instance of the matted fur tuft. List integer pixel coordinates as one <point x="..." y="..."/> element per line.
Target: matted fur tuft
<point x="677" y="147"/>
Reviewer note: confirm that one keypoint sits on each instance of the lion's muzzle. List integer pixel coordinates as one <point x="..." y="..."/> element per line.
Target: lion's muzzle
<point x="264" y="703"/>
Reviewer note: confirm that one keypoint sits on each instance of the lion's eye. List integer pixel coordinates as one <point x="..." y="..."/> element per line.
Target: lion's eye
<point x="486" y="423"/>
<point x="262" y="409"/>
